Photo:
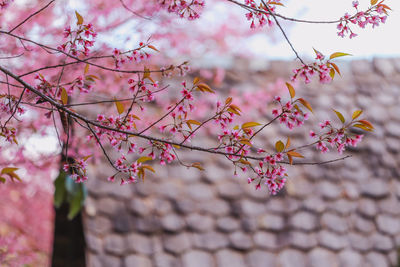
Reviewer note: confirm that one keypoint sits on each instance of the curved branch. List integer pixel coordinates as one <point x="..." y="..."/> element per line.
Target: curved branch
<point x="78" y="116"/>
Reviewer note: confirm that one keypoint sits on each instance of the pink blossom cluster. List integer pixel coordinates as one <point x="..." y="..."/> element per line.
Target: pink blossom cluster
<point x="143" y="90"/>
<point x="43" y="86"/>
<point x="232" y="140"/>
<point x="308" y="71"/>
<point x="289" y="115"/>
<point x="164" y="150"/>
<point x="132" y="169"/>
<point x="374" y="16"/>
<point x="116" y="139"/>
<point x="80" y="40"/>
<point x="263" y="18"/>
<point x="136" y="55"/>
<point x="224" y="117"/>
<point x="271" y="173"/>
<point x="189" y="9"/>
<point x="83" y="84"/>
<point x="8" y="106"/>
<point x="77" y="168"/>
<point x="335" y="138"/>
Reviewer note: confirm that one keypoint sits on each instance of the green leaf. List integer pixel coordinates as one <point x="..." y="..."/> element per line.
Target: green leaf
<point x="280" y="146"/>
<point x="76" y="203"/>
<point x="2" y="179"/>
<point x="340" y="116"/>
<point x="71" y="186"/>
<point x="338" y="54"/>
<point x="60" y="190"/>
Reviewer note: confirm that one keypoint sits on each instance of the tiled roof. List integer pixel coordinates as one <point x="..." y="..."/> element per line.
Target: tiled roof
<point x="343" y="214"/>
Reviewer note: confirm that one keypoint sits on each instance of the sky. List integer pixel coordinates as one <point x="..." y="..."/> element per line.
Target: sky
<point x="383" y="41"/>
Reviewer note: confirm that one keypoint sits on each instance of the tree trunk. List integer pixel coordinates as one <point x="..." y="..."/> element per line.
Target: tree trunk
<point x="69" y="241"/>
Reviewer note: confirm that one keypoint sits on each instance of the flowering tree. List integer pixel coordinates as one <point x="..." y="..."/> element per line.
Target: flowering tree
<point x="62" y="77"/>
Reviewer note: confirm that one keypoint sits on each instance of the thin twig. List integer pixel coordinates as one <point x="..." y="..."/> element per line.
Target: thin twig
<point x="30" y="16"/>
<point x="101" y="146"/>
<point x="284" y="33"/>
<point x="133" y="12"/>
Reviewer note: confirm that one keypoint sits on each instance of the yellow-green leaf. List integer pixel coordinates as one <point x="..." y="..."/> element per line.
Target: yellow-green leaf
<point x="205" y="88"/>
<point x="275" y="3"/>
<point x="292" y="92"/>
<point x="87" y="157"/>
<point x="356" y="114"/>
<point x="120" y="107"/>
<point x="366" y="123"/>
<point x="245" y="141"/>
<point x="332" y="73"/>
<point x="244" y="162"/>
<point x="143" y="159"/>
<point x="197" y="165"/>
<point x="234" y="109"/>
<point x="279" y="146"/>
<point x="93" y="77"/>
<point x="148" y="167"/>
<point x="14" y="175"/>
<point x="8" y="170"/>
<point x="64" y="96"/>
<point x="79" y="18"/>
<point x="340" y="116"/>
<point x="290" y="159"/>
<point x="287" y="143"/>
<point x="86" y="69"/>
<point x="338" y="54"/>
<point x="193" y="122"/>
<point x="294" y="154"/>
<point x="335" y="67"/>
<point x="2" y="179"/>
<point x="306" y="104"/>
<point x="362" y="126"/>
<point x="250" y="124"/>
